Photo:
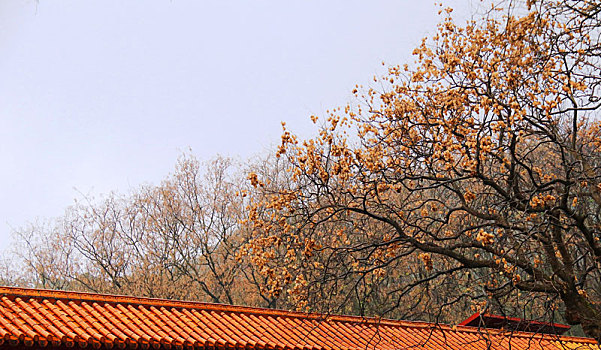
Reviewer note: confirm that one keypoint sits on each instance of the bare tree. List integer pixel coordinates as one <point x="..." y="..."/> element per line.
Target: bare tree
<point x="178" y="239"/>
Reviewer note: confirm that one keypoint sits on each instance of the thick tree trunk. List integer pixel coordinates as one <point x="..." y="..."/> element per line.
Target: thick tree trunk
<point x="580" y="311"/>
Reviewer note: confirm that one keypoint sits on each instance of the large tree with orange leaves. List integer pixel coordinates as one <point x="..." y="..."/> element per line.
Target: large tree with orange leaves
<point x="480" y="163"/>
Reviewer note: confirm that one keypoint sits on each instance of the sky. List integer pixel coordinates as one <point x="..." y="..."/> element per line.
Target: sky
<point x="104" y="95"/>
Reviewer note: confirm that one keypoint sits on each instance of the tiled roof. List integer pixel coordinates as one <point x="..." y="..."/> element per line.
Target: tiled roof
<point x="43" y="318"/>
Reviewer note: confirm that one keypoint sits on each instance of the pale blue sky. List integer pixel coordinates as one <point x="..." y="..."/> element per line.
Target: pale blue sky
<point x="102" y="95"/>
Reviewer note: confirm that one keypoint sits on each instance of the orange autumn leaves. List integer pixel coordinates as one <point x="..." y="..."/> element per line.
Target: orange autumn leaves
<point x="480" y="157"/>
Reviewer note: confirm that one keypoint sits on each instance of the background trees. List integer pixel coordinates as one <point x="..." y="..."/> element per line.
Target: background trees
<point x="175" y="240"/>
<point x="482" y="162"/>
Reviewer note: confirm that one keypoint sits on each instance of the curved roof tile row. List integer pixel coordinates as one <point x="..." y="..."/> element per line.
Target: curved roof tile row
<point x="42" y="318"/>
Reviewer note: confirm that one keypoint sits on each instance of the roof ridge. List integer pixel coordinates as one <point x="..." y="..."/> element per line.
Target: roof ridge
<point x="198" y="305"/>
<point x="128" y="299"/>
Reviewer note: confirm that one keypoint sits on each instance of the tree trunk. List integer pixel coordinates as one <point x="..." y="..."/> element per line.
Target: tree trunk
<point x="580" y="311"/>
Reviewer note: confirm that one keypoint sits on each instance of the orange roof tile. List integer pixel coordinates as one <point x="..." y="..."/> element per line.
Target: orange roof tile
<point x="45" y="318"/>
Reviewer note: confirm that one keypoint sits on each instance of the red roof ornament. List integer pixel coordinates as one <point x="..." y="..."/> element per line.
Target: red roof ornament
<point x="513" y="324"/>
